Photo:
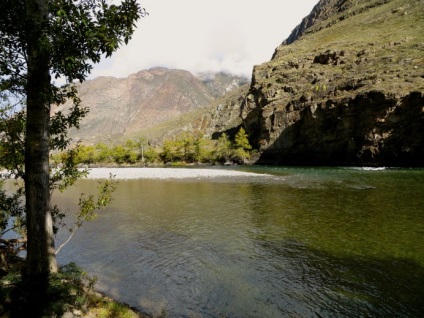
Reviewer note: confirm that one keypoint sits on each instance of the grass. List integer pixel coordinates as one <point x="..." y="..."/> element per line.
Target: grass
<point x="372" y="28"/>
<point x="69" y="291"/>
<point x="382" y="48"/>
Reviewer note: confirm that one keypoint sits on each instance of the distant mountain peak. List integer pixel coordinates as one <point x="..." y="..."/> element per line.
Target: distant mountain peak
<point x="122" y="106"/>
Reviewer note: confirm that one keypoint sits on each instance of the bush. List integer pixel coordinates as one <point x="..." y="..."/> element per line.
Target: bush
<point x="150" y="155"/>
<point x="70" y="290"/>
<point x="86" y="154"/>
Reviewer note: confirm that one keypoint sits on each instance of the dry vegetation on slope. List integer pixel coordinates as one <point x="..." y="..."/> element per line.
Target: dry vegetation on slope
<point x="348" y="91"/>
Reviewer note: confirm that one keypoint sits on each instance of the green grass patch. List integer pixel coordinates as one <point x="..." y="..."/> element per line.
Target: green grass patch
<point x="70" y="290"/>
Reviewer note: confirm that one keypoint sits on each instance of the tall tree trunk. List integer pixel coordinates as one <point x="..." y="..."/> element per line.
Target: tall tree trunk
<point x="41" y="259"/>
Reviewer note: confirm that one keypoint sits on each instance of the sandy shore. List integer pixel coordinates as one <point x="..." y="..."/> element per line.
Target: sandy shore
<point x="165" y="173"/>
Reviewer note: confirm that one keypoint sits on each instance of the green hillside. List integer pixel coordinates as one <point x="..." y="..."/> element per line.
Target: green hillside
<point x="345" y="91"/>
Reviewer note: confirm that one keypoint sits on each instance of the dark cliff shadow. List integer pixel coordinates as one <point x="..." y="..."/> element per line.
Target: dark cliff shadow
<point x="326" y="285"/>
<point x="373" y="129"/>
<point x="305" y="282"/>
<point x="405" y="143"/>
<point x="326" y="274"/>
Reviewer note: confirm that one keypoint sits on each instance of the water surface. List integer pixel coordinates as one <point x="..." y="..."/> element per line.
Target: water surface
<point x="303" y="242"/>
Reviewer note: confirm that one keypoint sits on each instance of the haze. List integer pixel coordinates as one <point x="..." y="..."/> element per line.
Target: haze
<point x="206" y="36"/>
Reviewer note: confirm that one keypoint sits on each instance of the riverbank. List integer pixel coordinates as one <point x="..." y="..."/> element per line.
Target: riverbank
<point x="70" y="295"/>
<point x="165" y="173"/>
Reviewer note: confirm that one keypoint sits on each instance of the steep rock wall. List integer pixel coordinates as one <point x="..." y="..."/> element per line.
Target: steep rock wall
<point x="348" y="93"/>
<point x="371" y="128"/>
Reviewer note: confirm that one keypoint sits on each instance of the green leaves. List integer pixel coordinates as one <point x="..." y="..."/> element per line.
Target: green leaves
<point x="236" y="151"/>
<point x="82" y="32"/>
<point x="73" y="36"/>
<point x="241" y="140"/>
<point x="89" y="205"/>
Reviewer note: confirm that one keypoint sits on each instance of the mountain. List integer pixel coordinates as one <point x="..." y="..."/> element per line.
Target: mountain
<point x="346" y="88"/>
<point x="221" y="116"/>
<point x="221" y="83"/>
<point x="121" y="107"/>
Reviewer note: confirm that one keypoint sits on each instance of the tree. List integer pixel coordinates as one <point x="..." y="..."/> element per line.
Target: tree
<point x="199" y="147"/>
<point x="223" y="148"/>
<point x="241" y="140"/>
<point x="242" y="146"/>
<point x="40" y="39"/>
<point x="167" y="153"/>
<point x="150" y="154"/>
<point x="103" y="153"/>
<point x="184" y="145"/>
<point x="123" y="154"/>
<point x="141" y="144"/>
<point x="86" y="154"/>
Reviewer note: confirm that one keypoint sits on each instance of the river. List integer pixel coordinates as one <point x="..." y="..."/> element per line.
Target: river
<point x="286" y="242"/>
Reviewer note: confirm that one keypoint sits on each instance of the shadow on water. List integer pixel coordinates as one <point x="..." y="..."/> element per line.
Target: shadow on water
<point x="317" y="284"/>
<point x="277" y="279"/>
<point x="311" y="243"/>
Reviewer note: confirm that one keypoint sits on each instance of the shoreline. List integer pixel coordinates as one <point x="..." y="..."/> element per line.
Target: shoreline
<point x="166" y="173"/>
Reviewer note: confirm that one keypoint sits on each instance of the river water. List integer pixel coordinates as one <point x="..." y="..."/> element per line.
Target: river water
<point x="296" y="242"/>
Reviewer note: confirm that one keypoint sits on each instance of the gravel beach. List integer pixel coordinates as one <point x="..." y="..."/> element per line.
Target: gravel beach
<point x="165" y="173"/>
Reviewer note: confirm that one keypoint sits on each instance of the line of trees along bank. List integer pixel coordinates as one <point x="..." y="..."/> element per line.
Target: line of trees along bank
<point x="187" y="147"/>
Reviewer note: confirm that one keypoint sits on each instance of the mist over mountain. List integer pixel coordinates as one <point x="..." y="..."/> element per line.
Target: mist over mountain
<point x="221" y="83"/>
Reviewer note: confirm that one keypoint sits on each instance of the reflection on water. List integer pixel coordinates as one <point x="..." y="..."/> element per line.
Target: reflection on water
<point x="305" y="242"/>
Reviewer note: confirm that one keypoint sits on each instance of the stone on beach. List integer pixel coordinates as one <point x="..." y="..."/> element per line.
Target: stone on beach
<point x="165" y="173"/>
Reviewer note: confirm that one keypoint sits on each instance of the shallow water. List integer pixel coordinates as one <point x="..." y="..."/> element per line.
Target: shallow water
<point x="304" y="242"/>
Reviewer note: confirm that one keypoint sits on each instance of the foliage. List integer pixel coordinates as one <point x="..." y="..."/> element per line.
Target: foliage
<point x="167" y="153"/>
<point x="68" y="40"/>
<point x="102" y="153"/>
<point x="88" y="205"/>
<point x="86" y="154"/>
<point x="187" y="147"/>
<point x="184" y="145"/>
<point x="69" y="290"/>
<point x="241" y="140"/>
<point x="150" y="155"/>
<point x="200" y="152"/>
<point x="223" y="148"/>
<point x="241" y="146"/>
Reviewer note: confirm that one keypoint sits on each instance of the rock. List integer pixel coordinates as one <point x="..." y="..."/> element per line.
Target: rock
<point x="68" y="314"/>
<point x="329" y="57"/>
<point x="356" y="100"/>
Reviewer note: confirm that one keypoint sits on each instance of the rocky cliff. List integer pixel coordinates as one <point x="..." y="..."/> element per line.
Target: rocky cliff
<point x="347" y="87"/>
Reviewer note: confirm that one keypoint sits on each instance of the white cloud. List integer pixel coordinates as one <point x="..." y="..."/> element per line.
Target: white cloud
<point x="206" y="35"/>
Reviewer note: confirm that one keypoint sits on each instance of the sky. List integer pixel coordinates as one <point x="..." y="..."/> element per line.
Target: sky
<point x="206" y="35"/>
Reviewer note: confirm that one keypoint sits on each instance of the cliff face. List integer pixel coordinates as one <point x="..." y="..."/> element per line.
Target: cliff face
<point x="321" y="11"/>
<point x="328" y="12"/>
<point x="349" y="89"/>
